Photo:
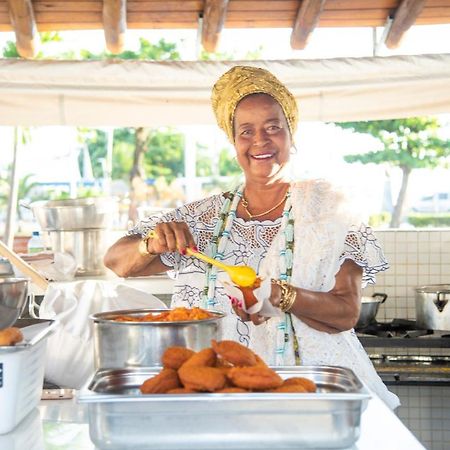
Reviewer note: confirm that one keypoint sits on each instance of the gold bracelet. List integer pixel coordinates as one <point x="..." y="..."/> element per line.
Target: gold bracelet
<point x="142" y="247"/>
<point x="288" y="295"/>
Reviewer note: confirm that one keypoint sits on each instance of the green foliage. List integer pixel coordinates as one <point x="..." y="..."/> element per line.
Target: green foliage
<point x="204" y="162"/>
<point x="429" y="220"/>
<point x="165" y="155"/>
<point x="10" y="50"/>
<point x="147" y="51"/>
<point x="411" y="143"/>
<point x="228" y="165"/>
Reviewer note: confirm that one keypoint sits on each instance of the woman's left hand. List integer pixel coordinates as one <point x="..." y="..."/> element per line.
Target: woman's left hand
<point x="256" y="319"/>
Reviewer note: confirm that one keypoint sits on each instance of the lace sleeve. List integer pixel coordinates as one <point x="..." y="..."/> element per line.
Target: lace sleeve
<point x="362" y="247"/>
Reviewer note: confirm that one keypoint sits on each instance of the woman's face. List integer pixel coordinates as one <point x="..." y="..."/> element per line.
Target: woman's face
<point x="261" y="137"/>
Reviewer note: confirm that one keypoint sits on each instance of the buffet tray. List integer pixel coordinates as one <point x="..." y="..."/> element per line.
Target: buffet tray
<point x="121" y="417"/>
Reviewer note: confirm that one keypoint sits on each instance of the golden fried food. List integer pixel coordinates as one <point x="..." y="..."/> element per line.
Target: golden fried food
<point x="180" y="314"/>
<point x="234" y="353"/>
<point x="165" y="381"/>
<point x="208" y="379"/>
<point x="308" y="384"/>
<point x="181" y="390"/>
<point x="256" y="378"/>
<point x="231" y="390"/>
<point x="290" y="388"/>
<point x="175" y="357"/>
<point x="204" y="358"/>
<point x="10" y="336"/>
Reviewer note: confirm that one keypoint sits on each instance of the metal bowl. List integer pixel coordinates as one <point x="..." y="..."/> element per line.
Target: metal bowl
<point x="369" y="309"/>
<point x="13" y="294"/>
<point x="141" y="344"/>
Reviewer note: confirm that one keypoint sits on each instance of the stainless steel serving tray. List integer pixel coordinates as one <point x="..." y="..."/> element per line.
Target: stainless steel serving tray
<point x="120" y="417"/>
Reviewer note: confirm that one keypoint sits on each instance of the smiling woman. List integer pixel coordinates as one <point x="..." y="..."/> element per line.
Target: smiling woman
<point x="310" y="252"/>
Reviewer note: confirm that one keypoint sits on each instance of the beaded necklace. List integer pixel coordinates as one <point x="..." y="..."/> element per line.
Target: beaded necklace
<point x="219" y="241"/>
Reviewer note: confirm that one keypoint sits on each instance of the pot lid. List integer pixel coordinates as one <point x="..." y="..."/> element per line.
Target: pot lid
<point x="434" y="288"/>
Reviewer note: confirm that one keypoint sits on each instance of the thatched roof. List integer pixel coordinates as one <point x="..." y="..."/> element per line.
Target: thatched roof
<point x="26" y="17"/>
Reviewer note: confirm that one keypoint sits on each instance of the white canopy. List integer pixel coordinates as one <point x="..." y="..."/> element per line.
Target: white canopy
<point x="148" y="93"/>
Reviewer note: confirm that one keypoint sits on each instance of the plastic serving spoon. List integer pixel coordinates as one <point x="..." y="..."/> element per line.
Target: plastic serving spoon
<point x="243" y="276"/>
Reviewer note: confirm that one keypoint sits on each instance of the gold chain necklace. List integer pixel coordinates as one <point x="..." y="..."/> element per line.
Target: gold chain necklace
<point x="252" y="216"/>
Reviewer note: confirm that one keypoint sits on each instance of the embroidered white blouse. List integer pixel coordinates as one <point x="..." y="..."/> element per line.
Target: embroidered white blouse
<point x="325" y="236"/>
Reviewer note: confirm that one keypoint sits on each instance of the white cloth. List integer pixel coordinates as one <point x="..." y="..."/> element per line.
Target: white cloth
<point x="325" y="236"/>
<point x="70" y="350"/>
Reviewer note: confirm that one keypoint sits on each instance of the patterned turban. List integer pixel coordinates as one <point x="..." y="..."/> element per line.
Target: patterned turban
<point x="241" y="81"/>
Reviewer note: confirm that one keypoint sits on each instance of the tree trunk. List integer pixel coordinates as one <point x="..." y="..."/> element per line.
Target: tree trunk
<point x="398" y="209"/>
<point x="137" y="175"/>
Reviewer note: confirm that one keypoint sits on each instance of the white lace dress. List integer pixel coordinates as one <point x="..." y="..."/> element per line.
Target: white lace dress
<point x="324" y="238"/>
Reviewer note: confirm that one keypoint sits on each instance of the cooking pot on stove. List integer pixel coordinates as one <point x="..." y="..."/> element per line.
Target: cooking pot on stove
<point x="369" y="309"/>
<point x="432" y="307"/>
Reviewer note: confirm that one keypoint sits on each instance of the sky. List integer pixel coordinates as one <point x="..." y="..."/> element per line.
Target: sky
<point x="316" y="142"/>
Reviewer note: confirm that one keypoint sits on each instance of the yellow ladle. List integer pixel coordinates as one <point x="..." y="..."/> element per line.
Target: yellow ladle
<point x="243" y="276"/>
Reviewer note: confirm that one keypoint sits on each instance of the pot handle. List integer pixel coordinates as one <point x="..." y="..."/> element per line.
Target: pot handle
<point x="440" y="304"/>
<point x="380" y="294"/>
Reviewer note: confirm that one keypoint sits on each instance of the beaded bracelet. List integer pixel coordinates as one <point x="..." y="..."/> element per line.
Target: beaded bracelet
<point x="288" y="294"/>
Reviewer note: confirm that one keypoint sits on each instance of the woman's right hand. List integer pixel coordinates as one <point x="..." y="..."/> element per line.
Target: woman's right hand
<point x="171" y="237"/>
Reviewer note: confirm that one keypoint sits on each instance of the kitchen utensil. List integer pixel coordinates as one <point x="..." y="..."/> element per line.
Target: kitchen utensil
<point x="432" y="307"/>
<point x="369" y="309"/>
<point x="23" y="266"/>
<point x="243" y="276"/>
<point x="13" y="295"/>
<point x="121" y="417"/>
<point x="136" y="344"/>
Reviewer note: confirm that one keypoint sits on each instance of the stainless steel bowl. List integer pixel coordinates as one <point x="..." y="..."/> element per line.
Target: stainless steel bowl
<point x="369" y="309"/>
<point x="75" y="214"/>
<point x="13" y="294"/>
<point x="141" y="344"/>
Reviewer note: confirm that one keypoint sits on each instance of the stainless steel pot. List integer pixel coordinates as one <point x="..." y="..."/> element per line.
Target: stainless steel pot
<point x="75" y="214"/>
<point x="13" y="294"/>
<point x="432" y="308"/>
<point x="141" y="344"/>
<point x="78" y="227"/>
<point x="369" y="309"/>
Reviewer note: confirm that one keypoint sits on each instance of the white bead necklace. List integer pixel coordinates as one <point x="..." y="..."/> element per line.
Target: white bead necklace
<point x="219" y="242"/>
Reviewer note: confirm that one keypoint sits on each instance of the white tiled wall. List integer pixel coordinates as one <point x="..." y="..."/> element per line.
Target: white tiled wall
<point x="416" y="258"/>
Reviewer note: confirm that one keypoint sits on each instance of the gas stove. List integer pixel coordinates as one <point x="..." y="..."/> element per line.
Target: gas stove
<point x="402" y="333"/>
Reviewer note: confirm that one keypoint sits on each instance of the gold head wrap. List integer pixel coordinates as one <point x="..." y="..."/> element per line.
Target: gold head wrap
<point x="241" y="81"/>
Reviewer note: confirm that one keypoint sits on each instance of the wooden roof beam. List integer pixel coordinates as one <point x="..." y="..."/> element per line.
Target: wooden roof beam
<point x="115" y="24"/>
<point x="307" y="18"/>
<point x="405" y="16"/>
<point x="214" y="15"/>
<point x="22" y="19"/>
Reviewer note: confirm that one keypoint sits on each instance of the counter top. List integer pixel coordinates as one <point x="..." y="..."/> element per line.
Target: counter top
<point x="64" y="424"/>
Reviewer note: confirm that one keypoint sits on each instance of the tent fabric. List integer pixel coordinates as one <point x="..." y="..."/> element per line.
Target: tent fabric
<point x="150" y="93"/>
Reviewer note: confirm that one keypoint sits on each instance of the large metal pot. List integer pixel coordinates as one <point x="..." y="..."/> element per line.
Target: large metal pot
<point x="369" y="309"/>
<point x="141" y="344"/>
<point x="78" y="227"/>
<point x="75" y="214"/>
<point x="432" y="308"/>
<point x="13" y="294"/>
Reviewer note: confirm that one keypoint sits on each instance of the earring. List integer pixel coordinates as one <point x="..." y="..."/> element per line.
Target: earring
<point x="293" y="149"/>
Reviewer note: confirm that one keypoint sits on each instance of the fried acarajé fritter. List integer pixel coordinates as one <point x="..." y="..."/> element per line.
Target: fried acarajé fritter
<point x="175" y="357"/>
<point x="204" y="358"/>
<point x="255" y="378"/>
<point x="248" y="294"/>
<point x="10" y="336"/>
<point x="165" y="381"/>
<point x="198" y="378"/>
<point x="306" y="383"/>
<point x="227" y="367"/>
<point x="180" y="314"/>
<point x="234" y="353"/>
